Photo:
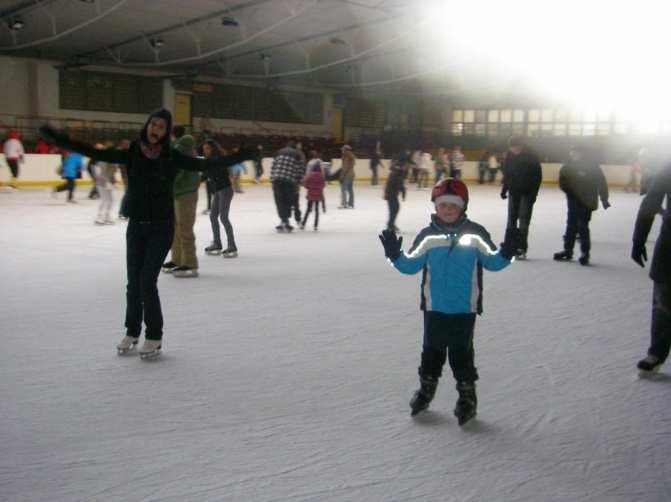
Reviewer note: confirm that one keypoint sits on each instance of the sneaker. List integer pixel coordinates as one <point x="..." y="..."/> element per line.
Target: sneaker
<point x="213" y="249"/>
<point x="150" y="349"/>
<point x="649" y="365"/>
<point x="563" y="256"/>
<point x="127" y="344"/>
<point x="184" y="272"/>
<point x="584" y="260"/>
<point x="230" y="253"/>
<point x="168" y="266"/>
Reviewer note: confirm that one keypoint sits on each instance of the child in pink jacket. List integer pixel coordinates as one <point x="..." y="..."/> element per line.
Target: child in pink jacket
<point x="314" y="183"/>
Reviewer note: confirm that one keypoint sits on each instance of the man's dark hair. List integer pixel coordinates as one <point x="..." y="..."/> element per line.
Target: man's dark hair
<point x="516" y="141"/>
<point x="178" y="131"/>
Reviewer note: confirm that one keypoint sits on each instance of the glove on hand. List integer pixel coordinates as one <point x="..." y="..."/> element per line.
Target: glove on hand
<point x="639" y="254"/>
<point x="504" y="193"/>
<point x="511" y="243"/>
<point x="605" y="204"/>
<point x="391" y="243"/>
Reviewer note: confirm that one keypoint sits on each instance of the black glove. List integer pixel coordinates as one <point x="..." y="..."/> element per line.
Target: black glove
<point x="391" y="243"/>
<point x="639" y="254"/>
<point x="605" y="204"/>
<point x="53" y="135"/>
<point x="504" y="193"/>
<point x="511" y="243"/>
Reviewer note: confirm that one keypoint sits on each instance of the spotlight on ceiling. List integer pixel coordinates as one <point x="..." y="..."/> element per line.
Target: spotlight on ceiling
<point x="265" y="57"/>
<point x="156" y="43"/>
<point x="229" y="21"/>
<point x="16" y="24"/>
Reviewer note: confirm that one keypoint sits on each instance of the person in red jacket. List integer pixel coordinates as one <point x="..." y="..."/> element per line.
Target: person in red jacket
<point x="314" y="182"/>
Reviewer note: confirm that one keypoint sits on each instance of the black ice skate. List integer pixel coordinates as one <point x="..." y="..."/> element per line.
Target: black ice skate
<point x="649" y="366"/>
<point x="230" y="253"/>
<point x="467" y="402"/>
<point x="423" y="396"/>
<point x="563" y="256"/>
<point x="213" y="249"/>
<point x="584" y="260"/>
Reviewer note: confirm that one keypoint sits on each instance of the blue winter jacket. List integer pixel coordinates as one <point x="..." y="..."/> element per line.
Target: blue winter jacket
<point x="451" y="259"/>
<point x="72" y="164"/>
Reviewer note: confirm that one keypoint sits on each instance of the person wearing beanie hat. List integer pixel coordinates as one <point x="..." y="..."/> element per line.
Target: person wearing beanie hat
<point x="152" y="166"/>
<point x="184" y="262"/>
<point x="522" y="177"/>
<point x="395" y="187"/>
<point x="451" y="253"/>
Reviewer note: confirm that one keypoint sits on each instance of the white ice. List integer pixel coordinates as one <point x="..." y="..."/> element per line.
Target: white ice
<point x="286" y="373"/>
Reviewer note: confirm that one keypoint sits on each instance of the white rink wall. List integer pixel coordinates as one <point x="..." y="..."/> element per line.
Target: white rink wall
<point x="42" y="169"/>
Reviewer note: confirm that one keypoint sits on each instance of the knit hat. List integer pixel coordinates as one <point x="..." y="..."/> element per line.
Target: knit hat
<point x="452" y="191"/>
<point x="186" y="145"/>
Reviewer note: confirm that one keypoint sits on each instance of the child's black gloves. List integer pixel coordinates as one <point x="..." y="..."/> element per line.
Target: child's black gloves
<point x="639" y="254"/>
<point x="511" y="243"/>
<point x="391" y="243"/>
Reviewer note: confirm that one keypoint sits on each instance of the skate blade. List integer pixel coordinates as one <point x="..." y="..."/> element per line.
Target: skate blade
<point x="148" y="356"/>
<point x="213" y="253"/>
<point x="649" y="374"/>
<point x="465" y="420"/>
<point x="126" y="352"/>
<point x="231" y="255"/>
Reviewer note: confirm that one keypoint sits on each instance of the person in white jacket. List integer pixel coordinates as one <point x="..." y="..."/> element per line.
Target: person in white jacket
<point x="14" y="153"/>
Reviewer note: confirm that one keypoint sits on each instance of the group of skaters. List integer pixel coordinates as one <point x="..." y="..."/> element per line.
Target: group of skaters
<point x="451" y="252"/>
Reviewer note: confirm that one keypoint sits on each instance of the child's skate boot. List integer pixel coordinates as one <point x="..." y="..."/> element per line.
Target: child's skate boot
<point x="584" y="259"/>
<point x="649" y="366"/>
<point x="151" y="349"/>
<point x="126" y="344"/>
<point x="423" y="396"/>
<point x="467" y="403"/>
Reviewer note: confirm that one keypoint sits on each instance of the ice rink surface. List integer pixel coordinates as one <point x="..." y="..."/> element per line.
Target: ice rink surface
<point x="286" y="373"/>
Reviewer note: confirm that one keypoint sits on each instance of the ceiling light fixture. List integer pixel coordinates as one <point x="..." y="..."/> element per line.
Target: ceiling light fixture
<point x="16" y="24"/>
<point x="229" y="21"/>
<point x="156" y="43"/>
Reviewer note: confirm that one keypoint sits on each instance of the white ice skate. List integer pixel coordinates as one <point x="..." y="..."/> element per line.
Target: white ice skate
<point x="151" y="349"/>
<point x="127" y="344"/>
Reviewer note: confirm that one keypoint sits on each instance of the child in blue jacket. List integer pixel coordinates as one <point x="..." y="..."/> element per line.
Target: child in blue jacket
<point x="451" y="253"/>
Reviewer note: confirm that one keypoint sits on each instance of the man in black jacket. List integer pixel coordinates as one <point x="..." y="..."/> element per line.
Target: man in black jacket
<point x="522" y="178"/>
<point x="583" y="182"/>
<point x="660" y="269"/>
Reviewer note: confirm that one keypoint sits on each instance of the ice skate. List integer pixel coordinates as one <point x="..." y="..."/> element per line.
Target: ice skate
<point x="521" y="254"/>
<point x="584" y="260"/>
<point x="424" y="395"/>
<point x="467" y="403"/>
<point x="213" y="249"/>
<point x="184" y="272"/>
<point x="649" y="366"/>
<point x="151" y="349"/>
<point x="230" y="253"/>
<point x="126" y="345"/>
<point x="168" y="266"/>
<point x="563" y="256"/>
<point x="99" y="222"/>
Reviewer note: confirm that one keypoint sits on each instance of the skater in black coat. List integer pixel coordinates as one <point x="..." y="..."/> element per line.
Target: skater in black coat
<point x="522" y="177"/>
<point x="395" y="187"/>
<point x="660" y="269"/>
<point x="583" y="182"/>
<point x="152" y="166"/>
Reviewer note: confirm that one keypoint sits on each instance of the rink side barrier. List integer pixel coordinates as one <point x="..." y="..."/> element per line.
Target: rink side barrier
<point x="41" y="171"/>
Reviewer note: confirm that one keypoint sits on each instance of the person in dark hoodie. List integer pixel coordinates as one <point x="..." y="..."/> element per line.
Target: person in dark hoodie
<point x="522" y="177"/>
<point x="152" y="166"/>
<point x="660" y="269"/>
<point x="583" y="182"/>
<point x="395" y="187"/>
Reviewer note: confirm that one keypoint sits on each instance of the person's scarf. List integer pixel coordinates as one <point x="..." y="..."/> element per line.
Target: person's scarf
<point x="151" y="151"/>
